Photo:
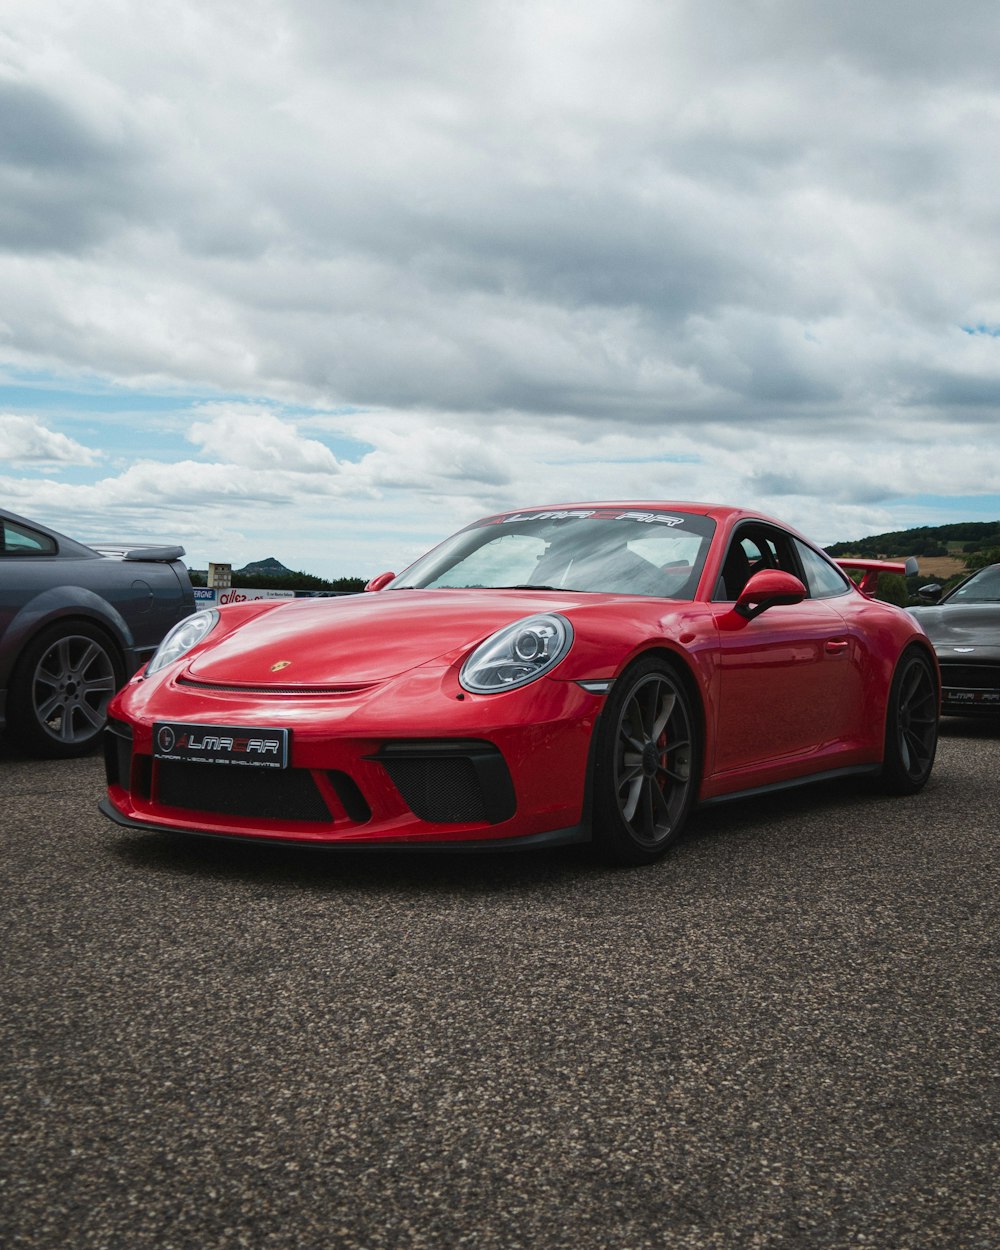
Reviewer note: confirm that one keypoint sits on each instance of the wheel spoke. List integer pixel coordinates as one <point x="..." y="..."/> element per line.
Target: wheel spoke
<point x="91" y="652"/>
<point x="912" y="686"/>
<point x="46" y="676"/>
<point x="95" y="715"/>
<point x="638" y="720"/>
<point x="666" y="711"/>
<point x="98" y="685"/>
<point x="660" y="801"/>
<point x="649" y="821"/>
<point x="632" y="802"/>
<point x="48" y="709"/>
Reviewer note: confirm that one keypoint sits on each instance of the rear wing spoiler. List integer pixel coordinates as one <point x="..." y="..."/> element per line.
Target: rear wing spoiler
<point x="154" y="555"/>
<point x="870" y="570"/>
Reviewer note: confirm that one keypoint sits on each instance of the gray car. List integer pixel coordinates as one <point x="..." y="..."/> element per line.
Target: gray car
<point x="75" y="623"/>
<point x="964" y="627"/>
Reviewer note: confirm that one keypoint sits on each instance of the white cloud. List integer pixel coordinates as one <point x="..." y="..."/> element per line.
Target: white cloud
<point x="24" y="440"/>
<point x="257" y="439"/>
<point x="742" y="236"/>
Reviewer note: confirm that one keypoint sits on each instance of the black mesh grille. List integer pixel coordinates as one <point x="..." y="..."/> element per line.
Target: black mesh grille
<point x="268" y="793"/>
<point x="445" y="791"/>
<point x="970" y="676"/>
<point x="451" y="782"/>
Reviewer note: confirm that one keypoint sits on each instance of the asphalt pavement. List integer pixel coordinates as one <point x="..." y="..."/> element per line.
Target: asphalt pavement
<point x="783" y="1035"/>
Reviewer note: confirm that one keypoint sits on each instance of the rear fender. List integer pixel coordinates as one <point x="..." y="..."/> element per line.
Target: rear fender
<point x="67" y="603"/>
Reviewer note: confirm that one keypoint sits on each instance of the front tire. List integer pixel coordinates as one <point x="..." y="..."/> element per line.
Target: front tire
<point x="60" y="691"/>
<point x="911" y="724"/>
<point x="646" y="764"/>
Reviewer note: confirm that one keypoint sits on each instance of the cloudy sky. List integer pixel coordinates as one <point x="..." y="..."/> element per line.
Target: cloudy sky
<point x="327" y="279"/>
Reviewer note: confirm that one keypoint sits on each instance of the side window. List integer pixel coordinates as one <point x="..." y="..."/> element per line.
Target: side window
<point x="752" y="549"/>
<point x="823" y="579"/>
<point x="747" y="553"/>
<point x="18" y="540"/>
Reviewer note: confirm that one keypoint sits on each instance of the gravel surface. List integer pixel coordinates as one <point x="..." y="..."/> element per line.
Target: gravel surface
<point x="783" y="1035"/>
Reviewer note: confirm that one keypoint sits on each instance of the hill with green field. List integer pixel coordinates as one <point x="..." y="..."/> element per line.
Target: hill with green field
<point x="963" y="538"/>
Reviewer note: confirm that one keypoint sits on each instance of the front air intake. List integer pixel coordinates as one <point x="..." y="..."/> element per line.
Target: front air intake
<point x="451" y="782"/>
<point x="254" y="793"/>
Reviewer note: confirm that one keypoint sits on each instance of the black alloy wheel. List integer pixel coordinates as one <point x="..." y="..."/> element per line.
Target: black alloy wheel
<point x="59" y="695"/>
<point x="911" y="729"/>
<point x="646" y="764"/>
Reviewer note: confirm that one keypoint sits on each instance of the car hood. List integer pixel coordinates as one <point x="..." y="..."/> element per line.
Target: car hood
<point x="974" y="624"/>
<point x="362" y="639"/>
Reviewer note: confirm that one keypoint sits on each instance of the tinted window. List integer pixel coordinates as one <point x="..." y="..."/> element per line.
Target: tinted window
<point x="754" y="547"/>
<point x="982" y="587"/>
<point x="18" y="540"/>
<point x="823" y="579"/>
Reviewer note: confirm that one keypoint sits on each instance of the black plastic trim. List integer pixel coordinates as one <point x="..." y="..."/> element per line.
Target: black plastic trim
<point x="793" y="783"/>
<point x="572" y="836"/>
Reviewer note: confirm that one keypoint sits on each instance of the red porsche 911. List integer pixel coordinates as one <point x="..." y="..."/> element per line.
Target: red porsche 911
<point x="585" y="672"/>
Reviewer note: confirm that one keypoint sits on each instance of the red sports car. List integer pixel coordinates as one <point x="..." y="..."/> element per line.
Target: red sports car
<point x="585" y="672"/>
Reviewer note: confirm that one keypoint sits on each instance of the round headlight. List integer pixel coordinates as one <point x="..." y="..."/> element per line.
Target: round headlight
<point x="184" y="635"/>
<point x="517" y="654"/>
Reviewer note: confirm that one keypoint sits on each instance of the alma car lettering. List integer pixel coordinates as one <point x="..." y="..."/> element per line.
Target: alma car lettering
<point x="245" y="746"/>
<point x="605" y="514"/>
<point x="555" y="515"/>
<point x="650" y="518"/>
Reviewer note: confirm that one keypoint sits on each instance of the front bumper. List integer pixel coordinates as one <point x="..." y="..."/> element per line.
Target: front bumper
<point x="970" y="685"/>
<point x="512" y="771"/>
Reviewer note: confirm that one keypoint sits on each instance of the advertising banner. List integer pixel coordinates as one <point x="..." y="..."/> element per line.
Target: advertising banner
<point x="207" y="598"/>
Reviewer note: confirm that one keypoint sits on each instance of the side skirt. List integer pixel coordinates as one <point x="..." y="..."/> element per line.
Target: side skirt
<point x="793" y="783"/>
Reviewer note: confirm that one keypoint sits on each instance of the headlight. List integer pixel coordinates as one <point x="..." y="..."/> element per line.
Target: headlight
<point x="184" y="635"/>
<point x="517" y="654"/>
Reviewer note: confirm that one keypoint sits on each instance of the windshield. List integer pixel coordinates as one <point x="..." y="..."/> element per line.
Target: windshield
<point x="982" y="587"/>
<point x="599" y="550"/>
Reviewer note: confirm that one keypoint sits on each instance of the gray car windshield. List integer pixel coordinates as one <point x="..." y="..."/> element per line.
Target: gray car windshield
<point x="982" y="587"/>
<point x="603" y="550"/>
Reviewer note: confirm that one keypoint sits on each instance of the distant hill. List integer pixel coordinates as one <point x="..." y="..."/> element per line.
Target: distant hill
<point x="265" y="568"/>
<point x="271" y="574"/>
<point x="961" y="538"/>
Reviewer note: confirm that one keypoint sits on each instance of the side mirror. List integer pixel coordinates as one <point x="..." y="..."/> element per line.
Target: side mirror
<point x="932" y="592"/>
<point x="768" y="589"/>
<point x="378" y="583"/>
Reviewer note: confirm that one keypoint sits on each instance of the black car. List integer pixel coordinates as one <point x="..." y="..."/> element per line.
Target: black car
<point x="75" y="623"/>
<point x="964" y="627"/>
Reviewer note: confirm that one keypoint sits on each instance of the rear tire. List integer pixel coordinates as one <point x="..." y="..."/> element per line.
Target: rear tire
<point x="646" y="764"/>
<point x="59" y="694"/>
<point x="911" y="724"/>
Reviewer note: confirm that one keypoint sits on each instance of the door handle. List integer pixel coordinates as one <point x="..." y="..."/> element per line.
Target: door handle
<point x="836" y="646"/>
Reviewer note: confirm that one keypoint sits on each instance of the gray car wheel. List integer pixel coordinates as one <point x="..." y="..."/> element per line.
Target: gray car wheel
<point x="911" y="729"/>
<point x="647" y="764"/>
<point x="59" y="695"/>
